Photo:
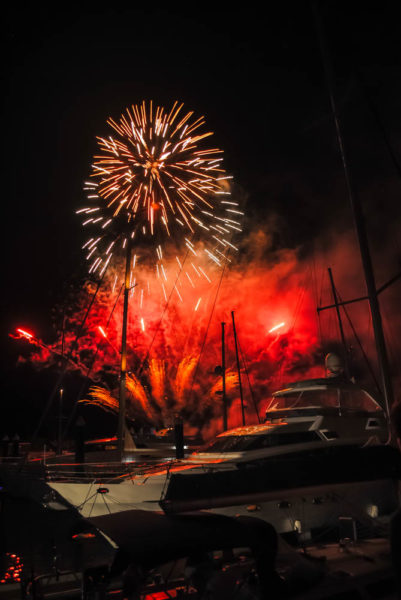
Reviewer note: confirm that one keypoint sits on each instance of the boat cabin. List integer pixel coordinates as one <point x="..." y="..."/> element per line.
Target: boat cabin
<point x="330" y="394"/>
<point x="305" y="415"/>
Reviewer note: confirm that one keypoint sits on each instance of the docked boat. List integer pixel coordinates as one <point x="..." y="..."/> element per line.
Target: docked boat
<point x="322" y="439"/>
<point x="303" y="416"/>
<point x="322" y="447"/>
<point x="318" y="468"/>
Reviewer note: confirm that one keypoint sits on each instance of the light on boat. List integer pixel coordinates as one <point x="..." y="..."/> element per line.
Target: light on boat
<point x="372" y="510"/>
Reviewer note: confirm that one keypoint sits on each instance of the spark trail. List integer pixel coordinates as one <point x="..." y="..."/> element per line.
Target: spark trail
<point x="155" y="183"/>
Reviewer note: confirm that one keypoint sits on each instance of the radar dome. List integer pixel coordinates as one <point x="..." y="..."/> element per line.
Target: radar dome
<point x="334" y="365"/>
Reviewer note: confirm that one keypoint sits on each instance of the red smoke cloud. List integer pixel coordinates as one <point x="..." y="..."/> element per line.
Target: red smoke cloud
<point x="165" y="344"/>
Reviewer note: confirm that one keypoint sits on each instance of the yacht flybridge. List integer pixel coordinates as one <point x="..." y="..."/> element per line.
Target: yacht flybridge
<point x="303" y="416"/>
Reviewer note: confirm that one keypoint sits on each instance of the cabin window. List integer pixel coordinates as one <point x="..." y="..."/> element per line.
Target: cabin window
<point x="358" y="400"/>
<point x="243" y="443"/>
<point x="373" y="424"/>
<point x="306" y="399"/>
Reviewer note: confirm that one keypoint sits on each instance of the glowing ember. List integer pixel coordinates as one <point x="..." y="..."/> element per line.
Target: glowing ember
<point x="276" y="327"/>
<point x="25" y="334"/>
<point x="99" y="396"/>
<point x="13" y="570"/>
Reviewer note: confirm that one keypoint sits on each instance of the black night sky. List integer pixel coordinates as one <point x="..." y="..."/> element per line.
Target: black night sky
<point x="258" y="80"/>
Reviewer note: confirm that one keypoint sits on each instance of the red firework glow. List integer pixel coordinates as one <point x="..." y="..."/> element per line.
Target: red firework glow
<point x="163" y="358"/>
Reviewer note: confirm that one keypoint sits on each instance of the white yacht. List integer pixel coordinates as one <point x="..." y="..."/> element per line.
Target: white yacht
<point x="304" y="415"/>
<point x="322" y="438"/>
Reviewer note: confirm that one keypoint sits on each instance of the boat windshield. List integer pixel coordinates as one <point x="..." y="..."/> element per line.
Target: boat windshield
<point x="328" y="398"/>
<point x="242" y="443"/>
<point x="358" y="400"/>
<point x="344" y="399"/>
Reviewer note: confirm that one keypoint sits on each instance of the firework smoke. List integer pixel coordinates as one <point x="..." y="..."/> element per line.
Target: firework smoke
<point x="266" y="288"/>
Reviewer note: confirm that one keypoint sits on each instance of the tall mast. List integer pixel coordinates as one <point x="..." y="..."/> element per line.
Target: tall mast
<point x="359" y="222"/>
<point x="223" y="374"/>
<point x="340" y="323"/>
<point x="239" y="370"/>
<point x="123" y="367"/>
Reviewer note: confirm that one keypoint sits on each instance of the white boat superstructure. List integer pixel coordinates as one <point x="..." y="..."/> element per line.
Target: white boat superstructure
<point x="304" y="415"/>
<point x="305" y="419"/>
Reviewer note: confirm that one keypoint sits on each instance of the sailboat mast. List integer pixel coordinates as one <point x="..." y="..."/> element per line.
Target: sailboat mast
<point x="239" y="370"/>
<point x="123" y="366"/>
<point x="223" y="374"/>
<point x="340" y="323"/>
<point x="359" y="222"/>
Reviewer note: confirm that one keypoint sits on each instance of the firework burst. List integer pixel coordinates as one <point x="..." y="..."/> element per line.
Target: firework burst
<point x="154" y="180"/>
